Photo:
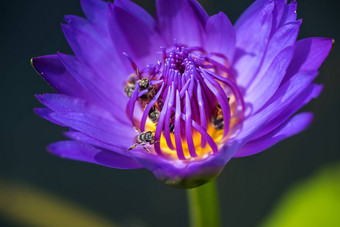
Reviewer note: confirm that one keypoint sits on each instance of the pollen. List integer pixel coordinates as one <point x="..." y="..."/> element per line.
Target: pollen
<point x="190" y="102"/>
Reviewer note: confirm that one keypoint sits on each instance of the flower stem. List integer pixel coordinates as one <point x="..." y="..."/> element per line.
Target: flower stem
<point x="203" y="206"/>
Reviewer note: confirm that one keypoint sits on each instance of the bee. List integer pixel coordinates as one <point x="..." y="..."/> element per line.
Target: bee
<point x="218" y="120"/>
<point x="143" y="84"/>
<point x="154" y="114"/>
<point x="128" y="89"/>
<point x="143" y="139"/>
<point x="131" y="85"/>
<point x="148" y="96"/>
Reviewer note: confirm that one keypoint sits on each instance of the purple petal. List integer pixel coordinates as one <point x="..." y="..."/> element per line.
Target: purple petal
<point x="263" y="87"/>
<point x="289" y="13"/>
<point x="81" y="137"/>
<point x="277" y="13"/>
<point x="283" y="38"/>
<point x="137" y="12"/>
<point x="251" y="11"/>
<point x="94" y="47"/>
<point x="181" y="20"/>
<point x="133" y="35"/>
<point x="310" y="92"/>
<point x="95" y="10"/>
<point x="291" y="127"/>
<point x="253" y="31"/>
<point x="55" y="73"/>
<point x="220" y="36"/>
<point x="45" y="113"/>
<point x="88" y="27"/>
<point x="87" y="153"/>
<point x="309" y="55"/>
<point x="199" y="11"/>
<point x="64" y="103"/>
<point x="283" y="97"/>
<point x="104" y="94"/>
<point x="187" y="174"/>
<point x="100" y="128"/>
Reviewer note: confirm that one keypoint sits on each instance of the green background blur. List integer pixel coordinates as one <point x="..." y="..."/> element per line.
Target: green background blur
<point x="37" y="185"/>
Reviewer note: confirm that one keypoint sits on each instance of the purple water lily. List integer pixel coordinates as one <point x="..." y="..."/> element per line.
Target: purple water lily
<point x="182" y="94"/>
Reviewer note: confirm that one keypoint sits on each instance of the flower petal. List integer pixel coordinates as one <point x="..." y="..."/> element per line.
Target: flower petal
<point x="277" y="13"/>
<point x="289" y="13"/>
<point x="45" y="113"/>
<point x="251" y="11"/>
<point x="305" y="97"/>
<point x="309" y="55"/>
<point x="102" y="92"/>
<point x="137" y="12"/>
<point x="264" y="86"/>
<point x="81" y="137"/>
<point x="55" y="73"/>
<point x="283" y="97"/>
<point x="220" y="36"/>
<point x="181" y="20"/>
<point x="133" y="35"/>
<point x="291" y="127"/>
<point x="202" y="16"/>
<point x="253" y="30"/>
<point x="64" y="103"/>
<point x="95" y="10"/>
<point x="179" y="174"/>
<point x="87" y="153"/>
<point x="284" y="37"/>
<point x="93" y="46"/>
<point x="100" y="128"/>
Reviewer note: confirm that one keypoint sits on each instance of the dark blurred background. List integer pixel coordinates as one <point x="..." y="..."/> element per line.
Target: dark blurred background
<point x="249" y="187"/>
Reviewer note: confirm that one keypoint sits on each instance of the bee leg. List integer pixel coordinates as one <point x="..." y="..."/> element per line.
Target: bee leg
<point x="154" y="141"/>
<point x="133" y="146"/>
<point x="137" y="130"/>
<point x="147" y="150"/>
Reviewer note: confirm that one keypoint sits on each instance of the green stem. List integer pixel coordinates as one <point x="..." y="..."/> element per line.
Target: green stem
<point x="203" y="206"/>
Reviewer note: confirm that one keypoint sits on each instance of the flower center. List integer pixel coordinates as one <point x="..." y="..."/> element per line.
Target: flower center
<point x="190" y="102"/>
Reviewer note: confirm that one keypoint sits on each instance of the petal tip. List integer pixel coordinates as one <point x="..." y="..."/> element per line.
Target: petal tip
<point x="53" y="149"/>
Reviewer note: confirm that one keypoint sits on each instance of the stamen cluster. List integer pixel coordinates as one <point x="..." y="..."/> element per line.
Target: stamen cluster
<point x="189" y="93"/>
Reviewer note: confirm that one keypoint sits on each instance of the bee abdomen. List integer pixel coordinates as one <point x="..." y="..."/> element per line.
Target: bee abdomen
<point x="128" y="89"/>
